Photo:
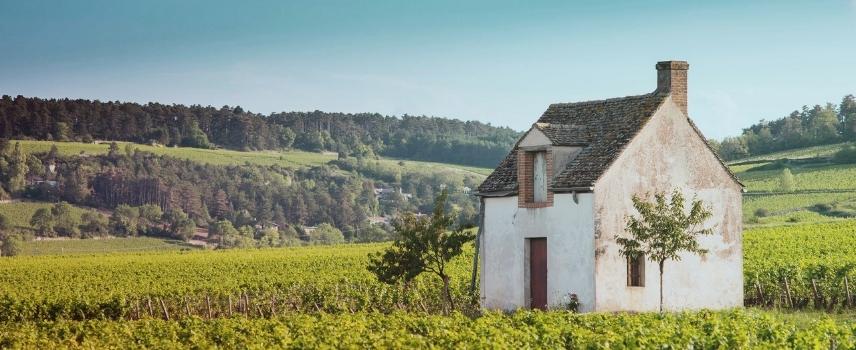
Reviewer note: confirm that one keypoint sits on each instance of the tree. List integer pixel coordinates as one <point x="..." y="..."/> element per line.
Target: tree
<point x="10" y="245"/>
<point x="150" y="217"/>
<point x="42" y="221"/>
<point x="66" y="223"/>
<point x="326" y="234"/>
<point x="269" y="237"/>
<point x="425" y="244"/>
<point x="94" y="224"/>
<point x="786" y="181"/>
<point x="18" y="170"/>
<point x="179" y="225"/>
<point x="4" y="223"/>
<point x="664" y="230"/>
<point x="195" y="137"/>
<point x="847" y="115"/>
<point x="125" y="220"/>
<point x="286" y="138"/>
<point x="231" y="237"/>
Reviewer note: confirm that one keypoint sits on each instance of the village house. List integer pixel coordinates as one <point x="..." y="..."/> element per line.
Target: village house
<point x="555" y="205"/>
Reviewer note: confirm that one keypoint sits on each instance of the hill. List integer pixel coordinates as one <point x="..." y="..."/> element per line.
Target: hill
<point x="816" y="190"/>
<point x="363" y="134"/>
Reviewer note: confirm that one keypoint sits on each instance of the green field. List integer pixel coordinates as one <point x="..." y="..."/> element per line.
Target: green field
<point x="101" y="245"/>
<point x="807" y="152"/>
<point x="291" y="158"/>
<point x="19" y="213"/>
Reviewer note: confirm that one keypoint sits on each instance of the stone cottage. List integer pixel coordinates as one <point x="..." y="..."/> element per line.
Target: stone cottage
<point x="555" y="205"/>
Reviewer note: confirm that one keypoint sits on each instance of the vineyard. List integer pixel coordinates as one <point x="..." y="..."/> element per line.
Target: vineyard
<point x="522" y="329"/>
<point x="806" y="266"/>
<point x="810" y="265"/>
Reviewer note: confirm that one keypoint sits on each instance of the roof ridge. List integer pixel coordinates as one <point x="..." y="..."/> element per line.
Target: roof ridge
<point x="612" y="99"/>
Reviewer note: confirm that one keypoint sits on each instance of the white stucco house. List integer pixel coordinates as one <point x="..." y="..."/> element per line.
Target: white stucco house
<point x="555" y="205"/>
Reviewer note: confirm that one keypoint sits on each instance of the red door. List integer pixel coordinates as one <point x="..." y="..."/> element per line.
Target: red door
<point x="538" y="273"/>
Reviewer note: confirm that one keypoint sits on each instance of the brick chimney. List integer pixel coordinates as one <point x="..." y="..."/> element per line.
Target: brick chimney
<point x="672" y="79"/>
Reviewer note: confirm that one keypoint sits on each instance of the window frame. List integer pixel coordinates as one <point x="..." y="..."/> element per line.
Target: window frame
<point x="636" y="277"/>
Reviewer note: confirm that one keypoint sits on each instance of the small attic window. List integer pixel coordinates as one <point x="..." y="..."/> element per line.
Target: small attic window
<point x="539" y="177"/>
<point x="535" y="172"/>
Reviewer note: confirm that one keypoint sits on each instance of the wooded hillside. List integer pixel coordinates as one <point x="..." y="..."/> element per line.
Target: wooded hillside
<point x="411" y="137"/>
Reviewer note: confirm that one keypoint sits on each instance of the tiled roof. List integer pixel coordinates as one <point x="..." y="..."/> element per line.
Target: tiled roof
<point x="602" y="127"/>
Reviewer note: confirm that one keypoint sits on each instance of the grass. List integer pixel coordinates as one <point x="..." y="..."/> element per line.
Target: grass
<point x="807" y="152"/>
<point x="19" y="213"/>
<point x="207" y="156"/>
<point x="101" y="246"/>
<point x="290" y="158"/>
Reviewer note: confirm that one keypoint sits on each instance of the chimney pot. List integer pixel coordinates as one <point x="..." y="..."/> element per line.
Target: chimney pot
<point x="672" y="79"/>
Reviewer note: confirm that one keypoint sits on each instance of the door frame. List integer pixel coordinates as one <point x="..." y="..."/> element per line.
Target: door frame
<point x="527" y="271"/>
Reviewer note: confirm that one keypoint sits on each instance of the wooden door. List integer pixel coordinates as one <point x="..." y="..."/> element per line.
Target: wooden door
<point x="538" y="273"/>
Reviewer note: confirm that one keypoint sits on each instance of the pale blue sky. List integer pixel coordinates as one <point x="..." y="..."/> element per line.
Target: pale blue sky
<point x="495" y="61"/>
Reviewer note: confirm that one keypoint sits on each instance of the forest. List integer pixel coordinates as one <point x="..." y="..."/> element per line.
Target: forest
<point x="818" y="125"/>
<point x="411" y="137"/>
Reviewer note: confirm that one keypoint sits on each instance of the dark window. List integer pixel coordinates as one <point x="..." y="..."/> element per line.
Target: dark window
<point x="636" y="271"/>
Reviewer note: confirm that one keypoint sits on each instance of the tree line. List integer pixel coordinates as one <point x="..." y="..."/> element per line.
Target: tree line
<point x="818" y="125"/>
<point x="412" y="137"/>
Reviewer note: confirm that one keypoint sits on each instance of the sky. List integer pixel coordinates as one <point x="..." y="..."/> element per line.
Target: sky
<point x="501" y="62"/>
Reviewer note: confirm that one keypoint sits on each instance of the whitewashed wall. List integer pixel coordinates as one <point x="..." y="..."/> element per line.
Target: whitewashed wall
<point x="569" y="229"/>
<point x="667" y="153"/>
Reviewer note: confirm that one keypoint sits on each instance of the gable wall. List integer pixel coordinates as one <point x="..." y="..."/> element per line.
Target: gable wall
<point x="568" y="226"/>
<point x="668" y="154"/>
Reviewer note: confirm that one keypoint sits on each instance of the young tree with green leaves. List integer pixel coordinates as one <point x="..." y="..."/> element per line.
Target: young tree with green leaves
<point x="664" y="230"/>
<point x="425" y="244"/>
<point x="326" y="234"/>
<point x="66" y="222"/>
<point x="43" y="222"/>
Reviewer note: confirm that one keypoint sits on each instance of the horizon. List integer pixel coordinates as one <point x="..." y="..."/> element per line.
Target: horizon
<point x="499" y="64"/>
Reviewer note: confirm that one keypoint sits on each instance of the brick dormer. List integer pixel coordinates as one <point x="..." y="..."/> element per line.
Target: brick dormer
<point x="526" y="178"/>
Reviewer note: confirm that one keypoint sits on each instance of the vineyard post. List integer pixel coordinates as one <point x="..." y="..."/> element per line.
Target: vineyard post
<point x="186" y="306"/>
<point x="760" y="292"/>
<point x="163" y="307"/>
<point x="208" y="305"/>
<point x="847" y="290"/>
<point x="151" y="310"/>
<point x="788" y="293"/>
<point x="246" y="304"/>
<point x="230" y="305"/>
<point x="817" y="299"/>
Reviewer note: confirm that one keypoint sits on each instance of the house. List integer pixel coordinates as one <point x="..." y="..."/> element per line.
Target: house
<point x="555" y="205"/>
<point x="388" y="193"/>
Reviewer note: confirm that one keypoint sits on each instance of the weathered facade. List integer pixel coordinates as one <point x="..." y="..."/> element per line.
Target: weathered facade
<point x="569" y="182"/>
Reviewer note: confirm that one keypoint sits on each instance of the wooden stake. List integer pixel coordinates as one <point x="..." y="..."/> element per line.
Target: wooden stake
<point x="788" y="293"/>
<point x="186" y="306"/>
<point x="163" y="307"/>
<point x="847" y="291"/>
<point x="246" y="304"/>
<point x="230" y="305"/>
<point x="151" y="310"/>
<point x="208" y="305"/>
<point x="817" y="300"/>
